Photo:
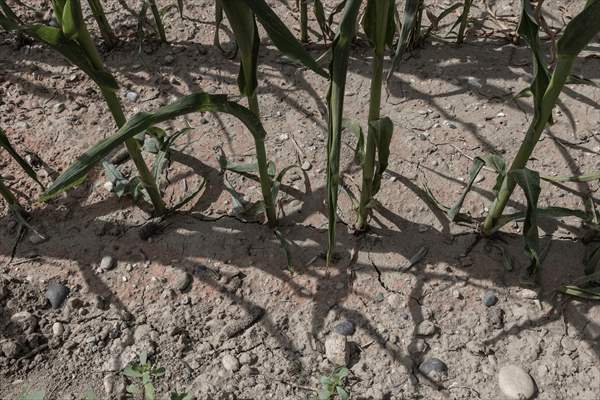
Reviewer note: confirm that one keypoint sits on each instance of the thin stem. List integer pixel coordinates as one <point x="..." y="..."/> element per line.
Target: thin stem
<point x="464" y="18"/>
<point x="105" y="29"/>
<point x="263" y="167"/>
<point x="159" y="25"/>
<point x="368" y="166"/>
<point x="8" y="195"/>
<point x="559" y="77"/>
<point x="303" y="21"/>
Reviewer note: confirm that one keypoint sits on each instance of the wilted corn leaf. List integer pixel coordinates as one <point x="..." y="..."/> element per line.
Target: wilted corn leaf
<point x="281" y="36"/>
<point x="197" y="102"/>
<point x="335" y="102"/>
<point x="530" y="183"/>
<point x="383" y="129"/>
<point x="244" y="27"/>
<point x="475" y="169"/>
<point x="5" y="144"/>
<point x="354" y="127"/>
<point x="216" y="40"/>
<point x="410" y="31"/>
<point x="589" y="293"/>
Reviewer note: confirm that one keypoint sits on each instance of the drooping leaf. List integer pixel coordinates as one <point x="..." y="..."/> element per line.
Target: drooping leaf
<point x="281" y="36"/>
<point x="216" y="38"/>
<point x="529" y="181"/>
<point x="354" y="127"/>
<point x="383" y="129"/>
<point x="475" y="169"/>
<point x="410" y="31"/>
<point x="197" y="102"/>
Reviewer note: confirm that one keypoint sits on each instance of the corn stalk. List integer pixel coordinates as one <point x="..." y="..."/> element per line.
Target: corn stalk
<point x="379" y="27"/>
<point x="105" y="29"/>
<point x="545" y="89"/>
<point x="242" y="15"/>
<point x="338" y="70"/>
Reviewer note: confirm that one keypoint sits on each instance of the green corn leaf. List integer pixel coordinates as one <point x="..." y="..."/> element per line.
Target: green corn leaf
<point x="280" y="35"/>
<point x="354" y="127"/>
<point x="216" y="39"/>
<point x="379" y="34"/>
<point x="335" y="101"/>
<point x="529" y="29"/>
<point x="59" y="7"/>
<point x="197" y="102"/>
<point x="245" y="30"/>
<point x="383" y="129"/>
<point x="5" y="144"/>
<point x="410" y="31"/>
<point x="580" y="31"/>
<point x="321" y="20"/>
<point x="529" y="181"/>
<point x="591" y="293"/>
<point x="589" y="177"/>
<point x="475" y="169"/>
<point x="72" y="19"/>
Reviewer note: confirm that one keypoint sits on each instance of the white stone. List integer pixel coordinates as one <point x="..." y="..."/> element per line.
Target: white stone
<point x="515" y="383"/>
<point x="58" y="329"/>
<point x="230" y="363"/>
<point x="336" y="350"/>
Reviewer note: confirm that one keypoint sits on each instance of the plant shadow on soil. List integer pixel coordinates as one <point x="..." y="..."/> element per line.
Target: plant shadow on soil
<point x="74" y="239"/>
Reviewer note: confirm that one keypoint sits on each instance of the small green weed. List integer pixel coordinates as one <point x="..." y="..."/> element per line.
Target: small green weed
<point x="333" y="385"/>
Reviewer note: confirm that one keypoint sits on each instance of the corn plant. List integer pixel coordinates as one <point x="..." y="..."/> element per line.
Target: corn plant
<point x="156" y="14"/>
<point x="105" y="29"/>
<point x="319" y="13"/>
<point x="545" y="89"/>
<point x="243" y="15"/>
<point x="379" y="27"/>
<point x="73" y="41"/>
<point x="338" y="68"/>
<point x="410" y="33"/>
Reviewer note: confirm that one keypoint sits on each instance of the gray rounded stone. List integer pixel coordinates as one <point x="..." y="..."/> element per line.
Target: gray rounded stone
<point x="345" y="328"/>
<point x="56" y="294"/>
<point x="230" y="363"/>
<point x="434" y="368"/>
<point x="515" y="383"/>
<point x="425" y="328"/>
<point x="490" y="298"/>
<point x="132" y="96"/>
<point x="183" y="281"/>
<point x="107" y="263"/>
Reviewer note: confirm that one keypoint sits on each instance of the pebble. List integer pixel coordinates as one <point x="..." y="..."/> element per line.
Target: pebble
<point x="434" y="368"/>
<point x="25" y="320"/>
<point x="515" y="383"/>
<point x="10" y="349"/>
<point x="132" y="96"/>
<point x="490" y="298"/>
<point x="337" y="350"/>
<point x="183" y="281"/>
<point x="527" y="294"/>
<point x="108" y="186"/>
<point x="35" y="238"/>
<point x="247" y="358"/>
<point x="107" y="263"/>
<point x="425" y="328"/>
<point x="230" y="363"/>
<point x="58" y="108"/>
<point x="56" y="294"/>
<point x="345" y="328"/>
<point x="57" y="329"/>
<point x="306" y="165"/>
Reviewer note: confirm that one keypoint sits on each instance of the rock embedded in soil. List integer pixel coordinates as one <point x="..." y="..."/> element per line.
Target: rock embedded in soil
<point x="230" y="363"/>
<point x="345" y="328"/>
<point x="337" y="350"/>
<point x="183" y="281"/>
<point x="425" y="328"/>
<point x="490" y="298"/>
<point x="132" y="96"/>
<point x="515" y="383"/>
<point x="434" y="368"/>
<point x="56" y="294"/>
<point x="57" y="329"/>
<point x="10" y="348"/>
<point x="24" y="320"/>
<point x="107" y="263"/>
